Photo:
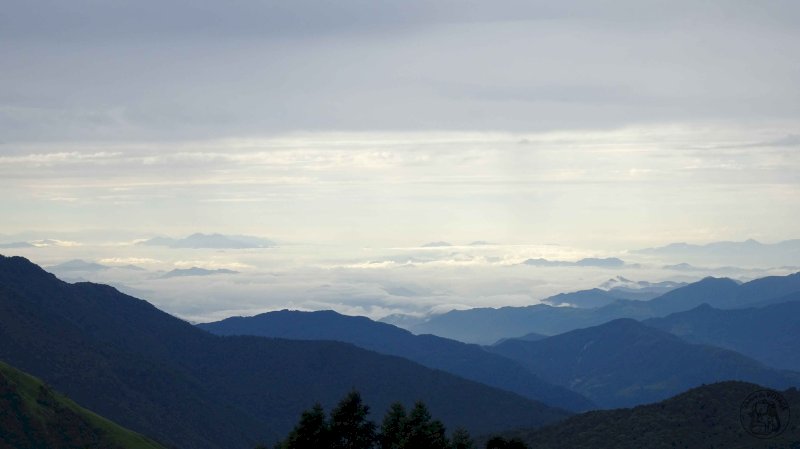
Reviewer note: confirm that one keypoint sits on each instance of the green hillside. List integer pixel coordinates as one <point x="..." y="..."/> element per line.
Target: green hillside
<point x="32" y="415"/>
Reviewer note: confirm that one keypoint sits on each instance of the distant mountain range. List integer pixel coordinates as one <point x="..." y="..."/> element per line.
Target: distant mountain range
<point x="708" y="416"/>
<point x="78" y="265"/>
<point x="594" y="298"/>
<point x="469" y="361"/>
<point x="212" y="241"/>
<point x="196" y="271"/>
<point x="82" y="265"/>
<point x="158" y="375"/>
<point x="748" y="253"/>
<point x="33" y="416"/>
<point x="624" y="363"/>
<point x="436" y="245"/>
<point x="621" y="285"/>
<point x="609" y="262"/>
<point x="488" y="325"/>
<point x="769" y="334"/>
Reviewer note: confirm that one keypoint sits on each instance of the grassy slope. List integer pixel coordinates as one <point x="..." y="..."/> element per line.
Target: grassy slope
<point x="53" y="419"/>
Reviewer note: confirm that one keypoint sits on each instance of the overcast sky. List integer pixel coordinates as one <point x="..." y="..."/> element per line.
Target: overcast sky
<point x="613" y="124"/>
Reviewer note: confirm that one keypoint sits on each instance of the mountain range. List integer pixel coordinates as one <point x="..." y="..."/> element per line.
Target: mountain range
<point x="469" y="361"/>
<point x="748" y="253"/>
<point x="769" y="334"/>
<point x="195" y="271"/>
<point x="213" y="241"/>
<point x="160" y="376"/>
<point x="488" y="325"/>
<point x="624" y="363"/>
<point x="607" y="262"/>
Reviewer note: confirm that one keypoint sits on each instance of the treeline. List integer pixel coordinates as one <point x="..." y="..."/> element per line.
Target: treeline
<point x="348" y="427"/>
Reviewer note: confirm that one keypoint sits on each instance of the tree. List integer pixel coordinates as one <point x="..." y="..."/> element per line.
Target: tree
<point x="461" y="440"/>
<point x="501" y="443"/>
<point x="312" y="432"/>
<point x="422" y="431"/>
<point x="516" y="443"/>
<point x="349" y="426"/>
<point x="393" y="428"/>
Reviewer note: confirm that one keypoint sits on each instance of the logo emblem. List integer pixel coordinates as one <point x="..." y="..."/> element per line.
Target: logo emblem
<point x="765" y="414"/>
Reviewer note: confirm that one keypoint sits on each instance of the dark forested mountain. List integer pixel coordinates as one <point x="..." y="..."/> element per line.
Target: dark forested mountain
<point x="161" y="376"/>
<point x="33" y="416"/>
<point x="487" y="325"/>
<point x="768" y="334"/>
<point x="705" y="417"/>
<point x="624" y="363"/>
<point x="468" y="361"/>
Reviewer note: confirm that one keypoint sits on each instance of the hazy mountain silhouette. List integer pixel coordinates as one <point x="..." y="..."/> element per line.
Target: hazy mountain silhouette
<point x="620" y="286"/>
<point x="533" y="336"/>
<point x="768" y="334"/>
<point x="217" y="241"/>
<point x="469" y="361"/>
<point x="195" y="271"/>
<point x="402" y="321"/>
<point x="33" y="416"/>
<point x="704" y="417"/>
<point x="746" y="253"/>
<point x="624" y="363"/>
<point x="78" y="265"/>
<point x="726" y="294"/>
<point x="436" y="245"/>
<point x="488" y="325"/>
<point x="161" y="376"/>
<point x="590" y="299"/>
<point x="610" y="262"/>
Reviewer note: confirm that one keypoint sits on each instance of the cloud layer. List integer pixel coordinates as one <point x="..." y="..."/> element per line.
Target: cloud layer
<point x="89" y="70"/>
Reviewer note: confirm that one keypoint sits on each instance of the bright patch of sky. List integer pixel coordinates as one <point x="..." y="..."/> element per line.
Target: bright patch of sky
<point x="613" y="189"/>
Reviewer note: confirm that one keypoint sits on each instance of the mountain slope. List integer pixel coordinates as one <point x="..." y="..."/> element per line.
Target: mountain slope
<point x="768" y="334"/>
<point x="468" y="361"/>
<point x="624" y="363"/>
<point x="159" y="375"/>
<point x="487" y="325"/>
<point x="704" y="417"/>
<point x="32" y="416"/>
<point x="590" y="299"/>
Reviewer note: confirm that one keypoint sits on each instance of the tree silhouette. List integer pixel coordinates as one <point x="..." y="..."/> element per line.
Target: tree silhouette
<point x="461" y="440"/>
<point x="423" y="432"/>
<point x="393" y="428"/>
<point x="501" y="443"/>
<point x="349" y="426"/>
<point x="312" y="432"/>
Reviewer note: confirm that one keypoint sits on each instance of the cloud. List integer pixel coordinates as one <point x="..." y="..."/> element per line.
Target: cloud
<point x="310" y="277"/>
<point x="251" y="68"/>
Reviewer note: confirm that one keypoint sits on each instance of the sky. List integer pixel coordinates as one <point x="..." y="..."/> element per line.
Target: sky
<point x="600" y="126"/>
